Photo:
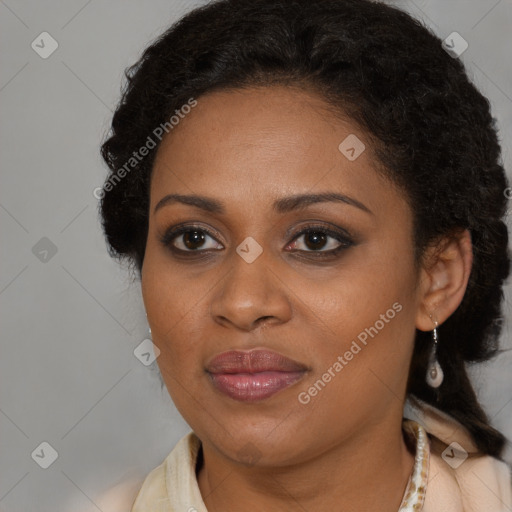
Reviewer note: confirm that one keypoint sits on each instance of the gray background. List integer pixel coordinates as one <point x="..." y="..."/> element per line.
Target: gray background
<point x="71" y="322"/>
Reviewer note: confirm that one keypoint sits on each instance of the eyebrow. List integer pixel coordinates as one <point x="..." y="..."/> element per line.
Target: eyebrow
<point x="282" y="205"/>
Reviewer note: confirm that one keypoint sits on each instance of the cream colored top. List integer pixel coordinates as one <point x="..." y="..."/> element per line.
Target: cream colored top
<point x="459" y="479"/>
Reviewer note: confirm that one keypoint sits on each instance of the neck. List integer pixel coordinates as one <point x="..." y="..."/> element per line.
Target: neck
<point x="367" y="472"/>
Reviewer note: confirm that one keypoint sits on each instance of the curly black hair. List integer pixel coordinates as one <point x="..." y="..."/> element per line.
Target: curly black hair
<point x="432" y="133"/>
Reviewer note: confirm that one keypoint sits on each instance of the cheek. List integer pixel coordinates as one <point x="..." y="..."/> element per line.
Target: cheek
<point x="176" y="309"/>
<point x="369" y="310"/>
<point x="365" y="367"/>
<point x="363" y="290"/>
<point x="166" y="303"/>
<point x="169" y="310"/>
<point x="168" y="298"/>
<point x="370" y="324"/>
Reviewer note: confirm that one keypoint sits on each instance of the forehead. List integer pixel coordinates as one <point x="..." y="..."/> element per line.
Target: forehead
<point x="255" y="145"/>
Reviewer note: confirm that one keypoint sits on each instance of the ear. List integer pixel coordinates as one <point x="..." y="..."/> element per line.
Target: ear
<point x="444" y="278"/>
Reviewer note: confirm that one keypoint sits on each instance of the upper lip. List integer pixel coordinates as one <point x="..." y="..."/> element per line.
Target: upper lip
<point x="253" y="361"/>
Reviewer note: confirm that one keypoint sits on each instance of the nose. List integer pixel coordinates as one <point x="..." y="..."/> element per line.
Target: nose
<point x="250" y="295"/>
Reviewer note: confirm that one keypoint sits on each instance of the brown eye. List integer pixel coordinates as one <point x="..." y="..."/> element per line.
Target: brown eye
<point x="318" y="239"/>
<point x="193" y="239"/>
<point x="315" y="239"/>
<point x="189" y="239"/>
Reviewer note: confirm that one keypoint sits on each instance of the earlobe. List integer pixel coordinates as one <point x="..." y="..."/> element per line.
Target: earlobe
<point x="444" y="278"/>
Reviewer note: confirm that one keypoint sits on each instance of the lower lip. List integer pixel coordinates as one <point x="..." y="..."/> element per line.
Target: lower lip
<point x="251" y="387"/>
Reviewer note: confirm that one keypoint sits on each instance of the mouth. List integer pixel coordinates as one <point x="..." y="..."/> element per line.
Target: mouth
<point x="254" y="375"/>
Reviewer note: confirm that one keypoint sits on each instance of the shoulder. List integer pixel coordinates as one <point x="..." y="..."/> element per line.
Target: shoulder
<point x="172" y="484"/>
<point x="461" y="479"/>
<point x="118" y="497"/>
<point x="479" y="484"/>
<point x="152" y="491"/>
<point x="137" y="495"/>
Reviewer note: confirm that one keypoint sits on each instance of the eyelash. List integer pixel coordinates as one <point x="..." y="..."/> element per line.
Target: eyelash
<point x="343" y="237"/>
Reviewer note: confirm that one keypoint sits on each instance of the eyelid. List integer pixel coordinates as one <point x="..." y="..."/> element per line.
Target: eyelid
<point x="322" y="226"/>
<point x="344" y="238"/>
<point x="175" y="231"/>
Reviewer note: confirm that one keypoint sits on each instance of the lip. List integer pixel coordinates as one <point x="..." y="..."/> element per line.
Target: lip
<point x="253" y="375"/>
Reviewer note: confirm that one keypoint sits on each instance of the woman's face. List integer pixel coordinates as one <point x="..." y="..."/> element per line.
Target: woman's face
<point x="340" y="302"/>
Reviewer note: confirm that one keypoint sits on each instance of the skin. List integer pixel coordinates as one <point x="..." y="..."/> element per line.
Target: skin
<point x="344" y="450"/>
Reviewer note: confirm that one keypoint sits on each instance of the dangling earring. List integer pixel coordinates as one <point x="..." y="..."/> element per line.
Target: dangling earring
<point x="435" y="373"/>
<point x="149" y="328"/>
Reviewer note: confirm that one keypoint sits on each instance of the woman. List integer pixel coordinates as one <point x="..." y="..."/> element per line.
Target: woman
<point x="312" y="195"/>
